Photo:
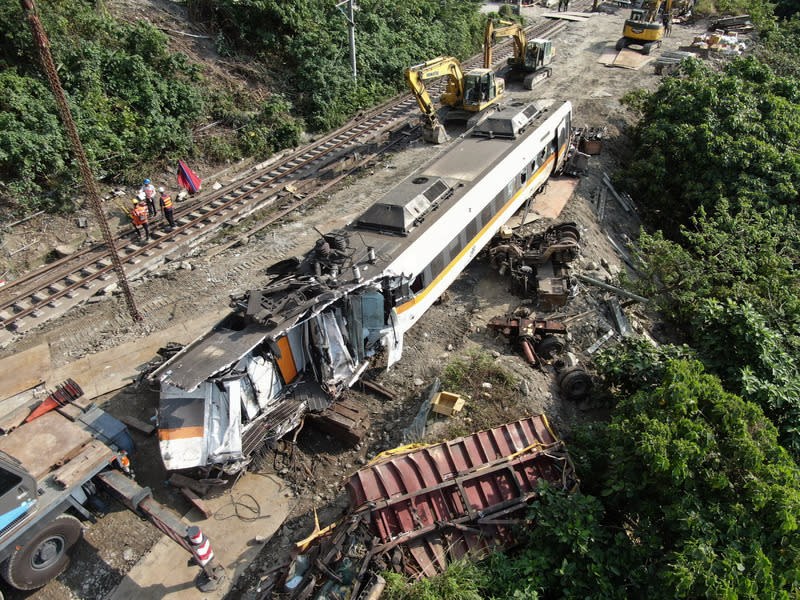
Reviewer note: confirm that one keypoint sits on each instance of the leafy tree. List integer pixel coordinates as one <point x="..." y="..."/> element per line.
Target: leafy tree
<point x="754" y="360"/>
<point x="738" y="128"/>
<point x="745" y="255"/>
<point x="686" y="493"/>
<point x="311" y="37"/>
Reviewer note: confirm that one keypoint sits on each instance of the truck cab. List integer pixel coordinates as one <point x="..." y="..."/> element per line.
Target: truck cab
<point x="46" y="471"/>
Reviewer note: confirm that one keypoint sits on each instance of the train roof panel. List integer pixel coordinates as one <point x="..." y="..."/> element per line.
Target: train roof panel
<point x="509" y="122"/>
<point x="404" y="205"/>
<point x="471" y="157"/>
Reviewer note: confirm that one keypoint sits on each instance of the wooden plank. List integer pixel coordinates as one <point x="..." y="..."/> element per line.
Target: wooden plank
<point x="138" y="425"/>
<point x="24" y="370"/>
<point x="334" y="417"/>
<point x="57" y="440"/>
<point x="630" y="59"/>
<point x="84" y="465"/>
<point x="608" y="55"/>
<point x="16" y="417"/>
<point x="566" y="16"/>
<point x="70" y="411"/>
<point x="197" y="502"/>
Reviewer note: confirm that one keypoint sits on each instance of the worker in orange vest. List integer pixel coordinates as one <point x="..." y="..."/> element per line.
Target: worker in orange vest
<point x="139" y="215"/>
<point x="166" y="207"/>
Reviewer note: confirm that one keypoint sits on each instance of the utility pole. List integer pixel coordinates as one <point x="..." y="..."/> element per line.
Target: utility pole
<point x="43" y="46"/>
<point x="351" y="25"/>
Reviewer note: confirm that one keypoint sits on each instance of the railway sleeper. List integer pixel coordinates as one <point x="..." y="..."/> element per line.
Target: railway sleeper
<point x="20" y="306"/>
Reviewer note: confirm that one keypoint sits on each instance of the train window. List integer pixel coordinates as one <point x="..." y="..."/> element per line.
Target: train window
<point x="454" y="247"/>
<point x="417" y="284"/>
<point x="472" y="228"/>
<point x="486" y="215"/>
<point x="437" y="265"/>
<point x="510" y="189"/>
<point x="523" y="177"/>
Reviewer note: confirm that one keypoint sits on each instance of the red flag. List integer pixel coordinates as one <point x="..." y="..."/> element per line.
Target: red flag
<point x="187" y="179"/>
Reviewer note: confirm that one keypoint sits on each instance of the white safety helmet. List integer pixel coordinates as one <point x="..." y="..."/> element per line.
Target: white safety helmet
<point x="161" y="189"/>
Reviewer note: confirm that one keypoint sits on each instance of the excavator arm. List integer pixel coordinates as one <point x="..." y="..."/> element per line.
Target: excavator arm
<point x="509" y="29"/>
<point x="416" y="77"/>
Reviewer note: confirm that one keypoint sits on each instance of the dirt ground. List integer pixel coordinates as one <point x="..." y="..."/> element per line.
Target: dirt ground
<point x="194" y="285"/>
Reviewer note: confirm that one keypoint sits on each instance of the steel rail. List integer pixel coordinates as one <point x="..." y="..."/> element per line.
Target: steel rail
<point x="245" y="196"/>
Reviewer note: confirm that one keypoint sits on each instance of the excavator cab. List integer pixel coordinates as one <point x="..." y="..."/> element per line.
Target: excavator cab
<point x="645" y="27"/>
<point x="481" y="88"/>
<point x="538" y="53"/>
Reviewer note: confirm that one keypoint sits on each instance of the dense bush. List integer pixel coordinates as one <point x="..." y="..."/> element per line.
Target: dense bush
<point x="134" y="102"/>
<point x="708" y="137"/>
<point x="687" y="494"/>
<point x="311" y="37"/>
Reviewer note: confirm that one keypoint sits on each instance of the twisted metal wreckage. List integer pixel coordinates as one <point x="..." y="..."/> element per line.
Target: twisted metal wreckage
<point x="297" y="344"/>
<point x="414" y="510"/>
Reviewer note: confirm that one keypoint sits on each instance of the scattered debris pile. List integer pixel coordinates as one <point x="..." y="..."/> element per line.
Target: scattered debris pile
<point x="717" y="41"/>
<point x="732" y="25"/>
<point x="537" y="263"/>
<point x="414" y="510"/>
<point x="539" y="345"/>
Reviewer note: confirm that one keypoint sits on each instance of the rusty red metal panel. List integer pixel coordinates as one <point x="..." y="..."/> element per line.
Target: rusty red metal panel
<point x="460" y="497"/>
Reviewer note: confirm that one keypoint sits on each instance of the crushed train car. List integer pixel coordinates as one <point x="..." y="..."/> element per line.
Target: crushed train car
<point x="415" y="510"/>
<point x="305" y="338"/>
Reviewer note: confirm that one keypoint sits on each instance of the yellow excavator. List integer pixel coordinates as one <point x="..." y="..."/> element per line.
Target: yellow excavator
<point x="645" y="27"/>
<point x="531" y="57"/>
<point x="471" y="92"/>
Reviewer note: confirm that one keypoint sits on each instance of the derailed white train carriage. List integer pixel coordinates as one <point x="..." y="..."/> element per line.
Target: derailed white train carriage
<point x="298" y="343"/>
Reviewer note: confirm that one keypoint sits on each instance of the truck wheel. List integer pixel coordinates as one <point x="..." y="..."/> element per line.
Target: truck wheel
<point x="549" y="347"/>
<point x="44" y="556"/>
<point x="575" y="383"/>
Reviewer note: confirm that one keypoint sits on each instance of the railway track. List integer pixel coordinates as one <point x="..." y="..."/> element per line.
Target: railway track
<point x="282" y="187"/>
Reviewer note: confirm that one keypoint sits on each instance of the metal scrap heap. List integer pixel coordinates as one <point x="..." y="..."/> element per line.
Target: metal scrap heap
<point x="414" y="510"/>
<point x="537" y="263"/>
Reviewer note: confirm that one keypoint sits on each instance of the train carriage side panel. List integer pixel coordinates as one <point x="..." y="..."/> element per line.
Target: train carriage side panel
<point x="451" y="243"/>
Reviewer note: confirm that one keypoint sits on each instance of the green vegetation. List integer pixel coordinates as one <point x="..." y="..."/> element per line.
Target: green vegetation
<point x="139" y="106"/>
<point x="467" y="375"/>
<point x="723" y="266"/>
<point x="461" y="581"/>
<point x="686" y="493"/>
<point x="310" y="37"/>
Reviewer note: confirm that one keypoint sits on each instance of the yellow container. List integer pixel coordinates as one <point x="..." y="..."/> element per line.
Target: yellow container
<point x="446" y="403"/>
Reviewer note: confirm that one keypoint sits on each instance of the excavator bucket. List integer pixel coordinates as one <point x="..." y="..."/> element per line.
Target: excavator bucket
<point x="435" y="135"/>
